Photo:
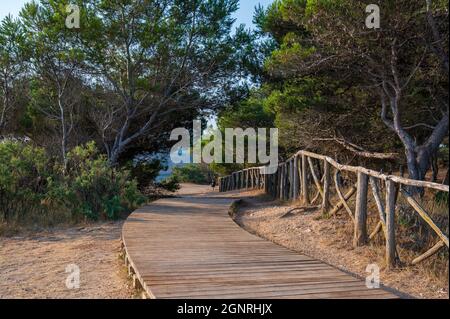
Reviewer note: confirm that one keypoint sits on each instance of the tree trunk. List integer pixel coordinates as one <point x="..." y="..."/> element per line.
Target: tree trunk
<point x="64" y="134"/>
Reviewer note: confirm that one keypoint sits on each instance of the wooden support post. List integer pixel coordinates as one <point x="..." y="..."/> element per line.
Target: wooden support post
<point x="245" y="180"/>
<point x="326" y="188"/>
<point x="266" y="182"/>
<point x="296" y="182"/>
<point x="276" y="188"/>
<point x="360" y="233"/>
<point x="291" y="179"/>
<point x="305" y="194"/>
<point x="390" y="224"/>
<point x="252" y="179"/>
<point x="274" y="184"/>
<point x="429" y="253"/>
<point x="281" y="182"/>
<point x="286" y="181"/>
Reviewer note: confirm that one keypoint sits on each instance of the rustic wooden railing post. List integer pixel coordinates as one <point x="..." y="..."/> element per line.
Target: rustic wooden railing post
<point x="285" y="177"/>
<point x="360" y="233"/>
<point x="390" y="224"/>
<point x="286" y="181"/>
<point x="273" y="184"/>
<point x="305" y="193"/>
<point x="232" y="181"/>
<point x="282" y="172"/>
<point x="291" y="179"/>
<point x="326" y="188"/>
<point x="266" y="182"/>
<point x="296" y="180"/>
<point x="252" y="179"/>
<point x="245" y="179"/>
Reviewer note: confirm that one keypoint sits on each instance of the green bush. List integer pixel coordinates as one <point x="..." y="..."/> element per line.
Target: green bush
<point x="193" y="173"/>
<point x="145" y="172"/>
<point x="171" y="184"/>
<point x="33" y="186"/>
<point x="104" y="191"/>
<point x="23" y="179"/>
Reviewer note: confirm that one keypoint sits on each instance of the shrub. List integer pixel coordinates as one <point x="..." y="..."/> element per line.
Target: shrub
<point x="145" y="172"/>
<point x="193" y="173"/>
<point x="23" y="173"/>
<point x="33" y="186"/>
<point x="104" y="191"/>
<point x="172" y="184"/>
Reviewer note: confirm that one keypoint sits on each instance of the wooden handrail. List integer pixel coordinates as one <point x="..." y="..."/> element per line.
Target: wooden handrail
<point x="369" y="172"/>
<point x="294" y="178"/>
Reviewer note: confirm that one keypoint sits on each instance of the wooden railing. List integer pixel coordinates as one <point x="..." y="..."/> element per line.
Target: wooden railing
<point x="312" y="178"/>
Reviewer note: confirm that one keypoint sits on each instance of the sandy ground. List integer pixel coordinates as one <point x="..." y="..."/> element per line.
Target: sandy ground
<point x="326" y="240"/>
<point x="34" y="265"/>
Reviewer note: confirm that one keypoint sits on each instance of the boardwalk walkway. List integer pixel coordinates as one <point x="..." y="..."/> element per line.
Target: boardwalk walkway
<point x="189" y="248"/>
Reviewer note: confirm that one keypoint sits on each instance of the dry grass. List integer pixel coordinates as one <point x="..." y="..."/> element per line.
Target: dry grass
<point x="330" y="240"/>
<point x="33" y="264"/>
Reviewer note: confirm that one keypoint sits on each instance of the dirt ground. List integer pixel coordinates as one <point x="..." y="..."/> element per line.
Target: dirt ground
<point x="34" y="265"/>
<point x="323" y="239"/>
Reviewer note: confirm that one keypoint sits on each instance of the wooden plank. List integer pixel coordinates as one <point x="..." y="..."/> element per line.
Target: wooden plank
<point x="189" y="247"/>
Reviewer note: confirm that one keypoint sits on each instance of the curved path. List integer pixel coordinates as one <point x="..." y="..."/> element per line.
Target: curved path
<point x="189" y="248"/>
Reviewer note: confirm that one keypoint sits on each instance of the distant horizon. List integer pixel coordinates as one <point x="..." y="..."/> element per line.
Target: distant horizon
<point x="243" y="16"/>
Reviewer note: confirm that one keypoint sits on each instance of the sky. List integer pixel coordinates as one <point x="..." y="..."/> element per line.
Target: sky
<point x="244" y="15"/>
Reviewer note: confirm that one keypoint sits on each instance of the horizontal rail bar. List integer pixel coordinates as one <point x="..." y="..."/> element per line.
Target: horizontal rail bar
<point x="359" y="169"/>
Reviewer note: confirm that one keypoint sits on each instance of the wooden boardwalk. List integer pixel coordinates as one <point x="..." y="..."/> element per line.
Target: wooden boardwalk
<point x="189" y="248"/>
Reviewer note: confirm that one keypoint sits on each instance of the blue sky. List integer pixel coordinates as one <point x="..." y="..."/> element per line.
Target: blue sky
<point x="245" y="14"/>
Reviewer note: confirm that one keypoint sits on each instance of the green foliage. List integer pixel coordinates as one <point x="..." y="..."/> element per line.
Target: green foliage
<point x="249" y="113"/>
<point x="318" y="82"/>
<point x="145" y="172"/>
<point x="171" y="184"/>
<point x="193" y="173"/>
<point x="23" y="173"/>
<point x="104" y="191"/>
<point x="32" y="185"/>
